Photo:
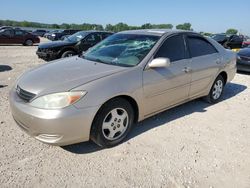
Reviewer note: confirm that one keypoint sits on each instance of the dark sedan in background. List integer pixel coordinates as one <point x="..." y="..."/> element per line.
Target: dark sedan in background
<point x="17" y="36"/>
<point x="72" y="45"/>
<point x="59" y="34"/>
<point x="243" y="60"/>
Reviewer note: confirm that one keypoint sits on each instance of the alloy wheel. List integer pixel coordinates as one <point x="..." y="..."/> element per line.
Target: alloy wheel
<point x="115" y="124"/>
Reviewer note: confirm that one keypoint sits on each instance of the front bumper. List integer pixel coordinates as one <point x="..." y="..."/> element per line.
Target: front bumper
<point x="56" y="127"/>
<point x="46" y="56"/>
<point x="243" y="65"/>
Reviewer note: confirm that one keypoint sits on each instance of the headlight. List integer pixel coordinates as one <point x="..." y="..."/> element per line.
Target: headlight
<point x="238" y="57"/>
<point x="57" y="100"/>
<point x="53" y="35"/>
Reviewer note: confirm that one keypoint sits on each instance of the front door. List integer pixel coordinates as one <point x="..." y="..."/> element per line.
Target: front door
<point x="167" y="86"/>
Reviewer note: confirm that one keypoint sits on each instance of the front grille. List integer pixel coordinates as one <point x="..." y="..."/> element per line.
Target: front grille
<point x="25" y="95"/>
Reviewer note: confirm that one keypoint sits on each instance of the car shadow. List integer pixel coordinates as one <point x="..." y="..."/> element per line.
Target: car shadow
<point x="2" y="86"/>
<point x="4" y="68"/>
<point x="198" y="105"/>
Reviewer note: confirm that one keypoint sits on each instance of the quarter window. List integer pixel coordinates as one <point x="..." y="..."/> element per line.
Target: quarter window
<point x="199" y="47"/>
<point x="173" y="48"/>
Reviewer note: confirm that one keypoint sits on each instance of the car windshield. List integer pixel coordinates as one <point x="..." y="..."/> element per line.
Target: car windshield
<point x="77" y="36"/>
<point x="122" y="49"/>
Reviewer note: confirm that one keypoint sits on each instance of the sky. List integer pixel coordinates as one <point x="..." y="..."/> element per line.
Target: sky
<point x="209" y="16"/>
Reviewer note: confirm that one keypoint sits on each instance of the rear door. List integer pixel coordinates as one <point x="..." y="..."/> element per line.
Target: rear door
<point x="6" y="36"/>
<point x="204" y="63"/>
<point x="167" y="86"/>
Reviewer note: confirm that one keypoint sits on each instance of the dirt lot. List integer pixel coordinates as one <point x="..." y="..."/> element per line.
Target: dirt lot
<point x="193" y="145"/>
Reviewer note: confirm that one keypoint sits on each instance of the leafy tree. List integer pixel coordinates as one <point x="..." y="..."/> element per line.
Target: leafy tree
<point x="231" y="31"/>
<point x="56" y="26"/>
<point x="147" y="26"/>
<point x="185" y="26"/>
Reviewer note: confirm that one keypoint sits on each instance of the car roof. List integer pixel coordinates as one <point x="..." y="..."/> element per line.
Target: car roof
<point x="155" y="32"/>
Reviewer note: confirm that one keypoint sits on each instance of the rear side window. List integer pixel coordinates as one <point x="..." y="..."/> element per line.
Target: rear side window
<point x="19" y="33"/>
<point x="199" y="47"/>
<point x="173" y="48"/>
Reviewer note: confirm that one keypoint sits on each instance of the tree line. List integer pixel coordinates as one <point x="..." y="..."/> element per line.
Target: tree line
<point x="86" y="26"/>
<point x="109" y="27"/>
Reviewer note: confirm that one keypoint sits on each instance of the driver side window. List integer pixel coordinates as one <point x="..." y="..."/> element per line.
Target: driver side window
<point x="93" y="38"/>
<point x="173" y="48"/>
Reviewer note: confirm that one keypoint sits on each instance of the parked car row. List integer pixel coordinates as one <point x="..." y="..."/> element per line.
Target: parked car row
<point x="9" y="35"/>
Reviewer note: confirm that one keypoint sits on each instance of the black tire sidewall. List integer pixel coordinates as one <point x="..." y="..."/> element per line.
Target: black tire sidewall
<point x="211" y="99"/>
<point x="28" y="44"/>
<point x="96" y="134"/>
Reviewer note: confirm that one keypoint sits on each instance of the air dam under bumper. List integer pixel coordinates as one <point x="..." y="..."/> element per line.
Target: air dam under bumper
<point x="56" y="127"/>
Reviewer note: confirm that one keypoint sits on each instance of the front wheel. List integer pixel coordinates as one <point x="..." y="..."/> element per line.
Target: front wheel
<point x="112" y="123"/>
<point x="216" y="90"/>
<point x="28" y="42"/>
<point x="68" y="54"/>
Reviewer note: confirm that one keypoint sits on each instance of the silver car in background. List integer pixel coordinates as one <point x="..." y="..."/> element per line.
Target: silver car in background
<point x="124" y="79"/>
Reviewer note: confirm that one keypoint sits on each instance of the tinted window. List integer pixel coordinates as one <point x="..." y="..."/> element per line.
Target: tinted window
<point x="19" y="33"/>
<point x="7" y="32"/>
<point x="199" y="47"/>
<point x="173" y="48"/>
<point x="93" y="38"/>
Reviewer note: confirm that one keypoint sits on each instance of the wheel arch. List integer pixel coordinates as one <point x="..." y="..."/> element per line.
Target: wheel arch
<point x="66" y="49"/>
<point x="224" y="76"/>
<point x="128" y="98"/>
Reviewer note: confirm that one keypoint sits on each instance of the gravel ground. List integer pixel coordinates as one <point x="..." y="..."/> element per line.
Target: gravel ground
<point x="193" y="145"/>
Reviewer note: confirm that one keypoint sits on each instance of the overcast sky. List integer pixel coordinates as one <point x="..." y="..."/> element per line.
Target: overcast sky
<point x="210" y="16"/>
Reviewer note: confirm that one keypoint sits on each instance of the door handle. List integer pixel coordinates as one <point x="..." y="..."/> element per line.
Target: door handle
<point x="186" y="69"/>
<point x="217" y="61"/>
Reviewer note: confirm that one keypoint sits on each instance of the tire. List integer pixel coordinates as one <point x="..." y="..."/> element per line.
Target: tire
<point x="225" y="45"/>
<point x="68" y="54"/>
<point x="216" y="91"/>
<point x="28" y="42"/>
<point x="112" y="123"/>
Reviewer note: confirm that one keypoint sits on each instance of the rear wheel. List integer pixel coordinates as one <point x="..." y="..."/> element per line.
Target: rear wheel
<point x="112" y="123"/>
<point x="28" y="42"/>
<point x="68" y="54"/>
<point x="216" y="90"/>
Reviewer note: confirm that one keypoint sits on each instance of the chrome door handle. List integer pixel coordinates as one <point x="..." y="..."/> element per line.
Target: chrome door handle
<point x="186" y="69"/>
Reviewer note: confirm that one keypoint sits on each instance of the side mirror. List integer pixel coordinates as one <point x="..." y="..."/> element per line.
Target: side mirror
<point x="159" y="62"/>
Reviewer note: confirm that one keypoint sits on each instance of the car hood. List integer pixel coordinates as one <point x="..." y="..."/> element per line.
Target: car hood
<point x="54" y="44"/>
<point x="244" y="52"/>
<point x="64" y="75"/>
